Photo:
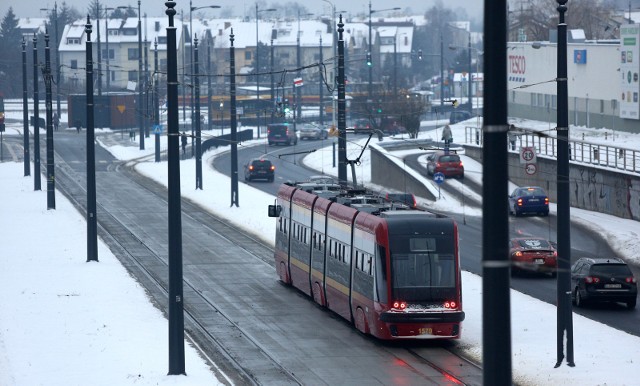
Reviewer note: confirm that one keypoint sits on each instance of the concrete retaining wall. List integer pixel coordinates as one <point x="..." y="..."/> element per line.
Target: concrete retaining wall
<point x="385" y="172"/>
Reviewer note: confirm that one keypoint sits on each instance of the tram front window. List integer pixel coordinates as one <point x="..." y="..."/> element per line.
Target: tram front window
<point x="423" y="269"/>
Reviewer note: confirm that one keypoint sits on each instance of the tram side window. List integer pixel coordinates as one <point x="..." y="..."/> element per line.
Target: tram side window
<point x="368" y="259"/>
<point x="381" y="274"/>
<point x="280" y="226"/>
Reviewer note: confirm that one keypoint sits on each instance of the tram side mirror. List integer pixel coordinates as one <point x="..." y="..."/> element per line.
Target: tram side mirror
<point x="274" y="210"/>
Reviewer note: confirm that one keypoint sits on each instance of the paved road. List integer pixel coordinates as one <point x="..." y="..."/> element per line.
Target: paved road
<point x="583" y="241"/>
<point x="255" y="328"/>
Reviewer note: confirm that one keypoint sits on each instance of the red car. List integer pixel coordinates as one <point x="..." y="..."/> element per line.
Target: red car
<point x="533" y="254"/>
<point x="448" y="164"/>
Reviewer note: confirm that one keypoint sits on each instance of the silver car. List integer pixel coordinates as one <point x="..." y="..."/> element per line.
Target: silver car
<point x="310" y="131"/>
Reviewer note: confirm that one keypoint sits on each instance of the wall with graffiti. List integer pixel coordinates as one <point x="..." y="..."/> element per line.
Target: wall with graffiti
<point x="594" y="188"/>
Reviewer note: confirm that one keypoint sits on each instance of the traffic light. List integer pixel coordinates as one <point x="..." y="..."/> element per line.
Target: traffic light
<point x="419" y="54"/>
<point x="285" y="107"/>
<point x="369" y="63"/>
<point x="379" y="110"/>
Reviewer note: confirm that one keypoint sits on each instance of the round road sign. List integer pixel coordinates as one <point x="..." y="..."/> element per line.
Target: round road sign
<point x="438" y="177"/>
<point x="531" y="169"/>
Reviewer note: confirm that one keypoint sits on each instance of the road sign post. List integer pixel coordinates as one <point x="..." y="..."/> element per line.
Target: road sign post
<point x="438" y="177"/>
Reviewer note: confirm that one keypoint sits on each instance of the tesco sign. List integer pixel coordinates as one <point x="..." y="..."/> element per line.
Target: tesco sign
<point x="517" y="64"/>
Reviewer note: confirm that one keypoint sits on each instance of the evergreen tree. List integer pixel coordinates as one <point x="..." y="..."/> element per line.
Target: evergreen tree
<point x="11" y="47"/>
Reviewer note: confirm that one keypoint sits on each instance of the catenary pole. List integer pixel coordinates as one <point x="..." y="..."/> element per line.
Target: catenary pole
<point x="565" y="323"/>
<point x="176" y="304"/>
<point x="25" y="112"/>
<point x="36" y="119"/>
<point x="496" y="310"/>
<point x="92" y="218"/>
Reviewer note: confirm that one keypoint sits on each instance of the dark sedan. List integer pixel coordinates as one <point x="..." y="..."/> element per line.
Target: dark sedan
<point x="259" y="169"/>
<point x="529" y="199"/>
<point x="603" y="280"/>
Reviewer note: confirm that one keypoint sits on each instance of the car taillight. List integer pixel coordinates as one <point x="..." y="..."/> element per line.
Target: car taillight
<point x="592" y="279"/>
<point x="273" y="167"/>
<point x="399" y="305"/>
<point x="518" y="254"/>
<point x="555" y="253"/>
<point x="461" y="164"/>
<point x="450" y="304"/>
<point x="250" y="167"/>
<point x="438" y="164"/>
<point x="631" y="280"/>
<point x="519" y="202"/>
<point x="546" y="200"/>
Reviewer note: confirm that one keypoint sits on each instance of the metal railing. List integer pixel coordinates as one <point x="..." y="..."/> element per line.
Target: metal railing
<point x="616" y="157"/>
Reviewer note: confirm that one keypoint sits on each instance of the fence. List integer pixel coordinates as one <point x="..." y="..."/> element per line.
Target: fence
<point x="608" y="156"/>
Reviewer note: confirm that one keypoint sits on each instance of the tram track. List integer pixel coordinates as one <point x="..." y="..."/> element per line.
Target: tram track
<point x="137" y="257"/>
<point x="148" y="266"/>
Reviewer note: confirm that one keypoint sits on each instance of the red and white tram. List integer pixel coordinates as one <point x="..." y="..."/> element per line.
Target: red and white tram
<point x="394" y="274"/>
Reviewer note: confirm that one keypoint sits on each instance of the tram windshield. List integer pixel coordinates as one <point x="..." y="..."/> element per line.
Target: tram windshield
<point x="423" y="268"/>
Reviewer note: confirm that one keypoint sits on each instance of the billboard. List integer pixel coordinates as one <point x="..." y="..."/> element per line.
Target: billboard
<point x="629" y="69"/>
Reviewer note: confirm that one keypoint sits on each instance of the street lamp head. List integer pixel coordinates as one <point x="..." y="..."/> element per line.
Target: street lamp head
<point x="382" y="10"/>
<point x="205" y="6"/>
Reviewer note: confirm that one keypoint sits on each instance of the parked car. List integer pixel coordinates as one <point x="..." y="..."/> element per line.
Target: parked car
<point x="259" y="168"/>
<point x="395" y="129"/>
<point x="529" y="199"/>
<point x="310" y="131"/>
<point x="448" y="164"/>
<point x="533" y="254"/>
<point x="281" y="133"/>
<point x="459" y="116"/>
<point x="403" y="198"/>
<point x="602" y="280"/>
<point x="362" y="126"/>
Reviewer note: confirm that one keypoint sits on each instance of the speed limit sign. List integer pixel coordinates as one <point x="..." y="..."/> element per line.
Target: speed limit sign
<point x="531" y="169"/>
<point x="527" y="155"/>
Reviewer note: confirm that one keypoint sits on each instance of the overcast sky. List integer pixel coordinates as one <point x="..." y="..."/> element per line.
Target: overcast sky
<point x="30" y="8"/>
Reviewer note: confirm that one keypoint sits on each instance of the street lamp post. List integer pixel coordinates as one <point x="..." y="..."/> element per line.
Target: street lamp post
<point x="57" y="54"/>
<point x="372" y="11"/>
<point x="470" y="79"/>
<point x="106" y="39"/>
<point x="565" y="323"/>
<point x="298" y="90"/>
<point x="139" y="107"/>
<point x="257" y="69"/>
<point x="335" y="55"/>
<point x="191" y="9"/>
<point x="99" y="49"/>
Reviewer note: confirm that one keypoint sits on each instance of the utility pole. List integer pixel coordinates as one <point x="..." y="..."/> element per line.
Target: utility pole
<point x="196" y="70"/>
<point x="156" y="103"/>
<point x="140" y="91"/>
<point x="565" y="322"/>
<point x="51" y="171"/>
<point x="496" y="310"/>
<point x="176" y="304"/>
<point x="92" y="218"/>
<point x="36" y="119"/>
<point x="342" y="124"/>
<point x="25" y="112"/>
<point x="234" y="124"/>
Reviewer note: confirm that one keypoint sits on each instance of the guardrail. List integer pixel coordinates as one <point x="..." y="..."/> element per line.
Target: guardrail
<point x="615" y="157"/>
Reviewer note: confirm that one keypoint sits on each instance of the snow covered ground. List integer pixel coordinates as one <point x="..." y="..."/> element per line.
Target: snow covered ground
<point x="63" y="321"/>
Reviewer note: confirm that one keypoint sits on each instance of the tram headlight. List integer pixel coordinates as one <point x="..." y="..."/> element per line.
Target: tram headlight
<point x="450" y="304"/>
<point x="399" y="305"/>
